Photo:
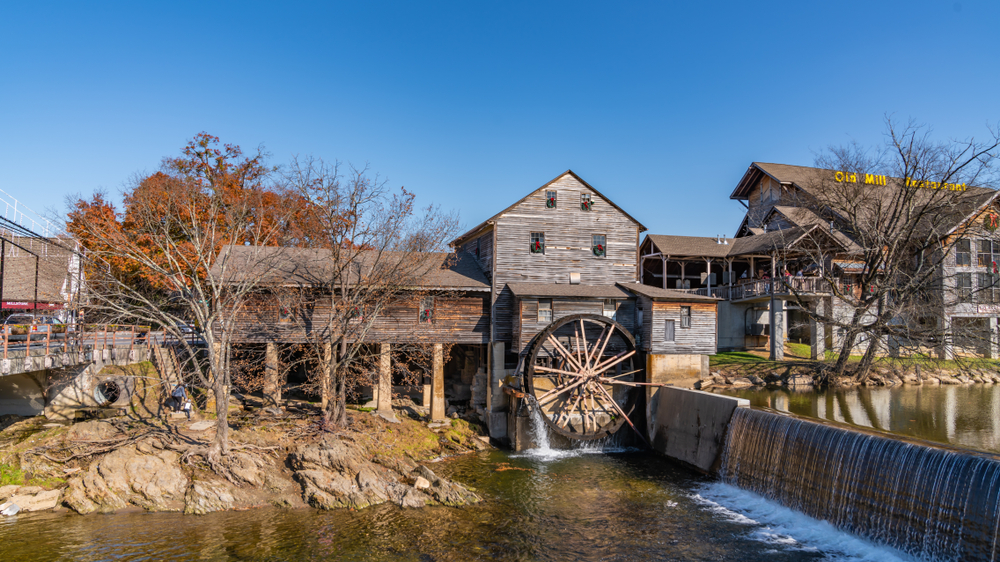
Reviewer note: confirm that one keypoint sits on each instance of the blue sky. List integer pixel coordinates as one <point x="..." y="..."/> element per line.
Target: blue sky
<point x="661" y="106"/>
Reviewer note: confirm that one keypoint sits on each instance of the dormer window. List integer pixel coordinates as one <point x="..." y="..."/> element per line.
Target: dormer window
<point x="585" y="203"/>
<point x="550" y="199"/>
<point x="537" y="243"/>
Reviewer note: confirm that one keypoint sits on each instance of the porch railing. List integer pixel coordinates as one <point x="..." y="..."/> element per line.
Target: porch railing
<point x="763" y="287"/>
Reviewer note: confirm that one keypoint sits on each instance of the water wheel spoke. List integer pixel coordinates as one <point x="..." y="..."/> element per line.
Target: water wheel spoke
<point x="579" y="359"/>
<point x="552" y="394"/>
<point x="582" y="404"/>
<point x="565" y="354"/>
<point x="623" y="414"/>
<point x="605" y="344"/>
<point x="559" y="371"/>
<point x="612" y="362"/>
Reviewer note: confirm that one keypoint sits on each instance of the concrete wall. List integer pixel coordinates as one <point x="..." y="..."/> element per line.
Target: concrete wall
<point x="690" y="425"/>
<point x="22" y="394"/>
<point x="679" y="370"/>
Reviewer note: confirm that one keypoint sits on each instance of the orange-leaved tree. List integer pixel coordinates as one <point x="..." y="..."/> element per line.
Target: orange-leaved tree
<point x="161" y="260"/>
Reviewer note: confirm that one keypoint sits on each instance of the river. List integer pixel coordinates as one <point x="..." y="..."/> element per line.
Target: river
<point x="963" y="416"/>
<point x="541" y="505"/>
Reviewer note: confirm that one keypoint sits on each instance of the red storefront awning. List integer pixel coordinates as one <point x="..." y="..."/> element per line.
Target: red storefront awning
<point x="31" y="305"/>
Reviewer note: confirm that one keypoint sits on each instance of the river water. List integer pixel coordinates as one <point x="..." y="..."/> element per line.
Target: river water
<point x="963" y="416"/>
<point x="540" y="505"/>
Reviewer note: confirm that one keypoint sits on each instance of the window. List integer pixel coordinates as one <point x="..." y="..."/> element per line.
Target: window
<point x="598" y="244"/>
<point x="988" y="290"/>
<point x="989" y="254"/>
<point x="685" y="317"/>
<point x="610" y="308"/>
<point x="426" y="310"/>
<point x="963" y="252"/>
<point x="585" y="202"/>
<point x="537" y="243"/>
<point x="550" y="199"/>
<point x="963" y="286"/>
<point x="668" y="332"/>
<point x="545" y="310"/>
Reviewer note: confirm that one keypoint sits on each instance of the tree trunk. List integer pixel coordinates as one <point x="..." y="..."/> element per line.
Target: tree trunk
<point x="866" y="361"/>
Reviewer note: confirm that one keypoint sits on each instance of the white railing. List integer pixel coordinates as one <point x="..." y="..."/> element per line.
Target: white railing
<point x="22" y="215"/>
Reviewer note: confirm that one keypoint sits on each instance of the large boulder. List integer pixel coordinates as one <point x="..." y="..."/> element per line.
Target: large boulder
<point x="128" y="476"/>
<point x="93" y="430"/>
<point x="336" y="473"/>
<point x="43" y="500"/>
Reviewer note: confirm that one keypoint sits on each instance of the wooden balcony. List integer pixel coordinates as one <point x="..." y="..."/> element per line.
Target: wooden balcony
<point x="762" y="288"/>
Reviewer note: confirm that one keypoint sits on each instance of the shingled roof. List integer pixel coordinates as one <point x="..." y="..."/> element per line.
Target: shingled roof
<point x="546" y="290"/>
<point x="669" y="295"/>
<point x="304" y="267"/>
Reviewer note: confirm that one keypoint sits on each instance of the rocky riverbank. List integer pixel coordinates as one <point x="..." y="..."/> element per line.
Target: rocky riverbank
<point x="807" y="376"/>
<point x="286" y="460"/>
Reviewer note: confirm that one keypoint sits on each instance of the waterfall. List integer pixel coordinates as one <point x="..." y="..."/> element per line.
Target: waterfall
<point x="539" y="431"/>
<point x="930" y="502"/>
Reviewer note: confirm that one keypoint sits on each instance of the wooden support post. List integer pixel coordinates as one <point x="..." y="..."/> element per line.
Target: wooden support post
<point x="437" y="385"/>
<point x="663" y="260"/>
<point x="272" y="377"/>
<point x="385" y="379"/>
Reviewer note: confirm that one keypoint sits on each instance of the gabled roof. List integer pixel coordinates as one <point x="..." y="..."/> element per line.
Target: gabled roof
<point x="810" y="221"/>
<point x="483" y="224"/>
<point x="304" y="267"/>
<point x="800" y="176"/>
<point x="699" y="246"/>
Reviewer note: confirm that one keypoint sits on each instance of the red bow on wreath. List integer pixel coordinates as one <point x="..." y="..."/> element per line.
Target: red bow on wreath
<point x="600" y="248"/>
<point x="538" y="245"/>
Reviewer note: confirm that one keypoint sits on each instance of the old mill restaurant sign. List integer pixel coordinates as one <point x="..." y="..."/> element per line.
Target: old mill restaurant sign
<point x="876" y="179"/>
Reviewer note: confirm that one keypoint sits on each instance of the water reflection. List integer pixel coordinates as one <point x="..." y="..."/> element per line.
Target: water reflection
<point x="967" y="416"/>
<point x="618" y="507"/>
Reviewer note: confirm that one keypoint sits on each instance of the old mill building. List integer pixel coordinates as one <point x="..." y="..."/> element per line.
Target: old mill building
<point x="559" y="300"/>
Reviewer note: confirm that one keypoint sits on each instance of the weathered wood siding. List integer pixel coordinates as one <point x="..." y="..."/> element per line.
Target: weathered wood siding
<point x="463" y="319"/>
<point x="568" y="231"/>
<point x="527" y="326"/>
<point x="700" y="338"/>
<point x="484" y="244"/>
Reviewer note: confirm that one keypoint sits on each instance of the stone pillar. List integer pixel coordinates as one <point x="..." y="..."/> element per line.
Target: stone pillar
<point x="777" y="315"/>
<point x="817" y="333"/>
<point x="272" y="381"/>
<point x="384" y="389"/>
<point x="426" y="396"/>
<point x="437" y="385"/>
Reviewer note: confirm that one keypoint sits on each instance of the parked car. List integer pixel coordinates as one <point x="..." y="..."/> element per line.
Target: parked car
<point x="17" y="326"/>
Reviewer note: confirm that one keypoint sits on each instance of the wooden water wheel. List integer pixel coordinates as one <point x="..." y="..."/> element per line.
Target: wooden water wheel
<point x="582" y="374"/>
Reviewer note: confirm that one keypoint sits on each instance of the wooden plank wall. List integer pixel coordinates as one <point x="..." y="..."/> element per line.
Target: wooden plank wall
<point x="463" y="319"/>
<point x="568" y="231"/>
<point x="700" y="338"/>
<point x="527" y="326"/>
<point x="485" y="246"/>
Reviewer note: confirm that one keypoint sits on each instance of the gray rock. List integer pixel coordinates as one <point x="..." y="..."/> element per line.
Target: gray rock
<point x="800" y="380"/>
<point x="42" y="501"/>
<point x="7" y="491"/>
<point x="93" y="430"/>
<point x="127" y="476"/>
<point x="421" y="483"/>
<point x="757" y="381"/>
<point x="444" y="491"/>
<point x="741" y="382"/>
<point x="207" y="497"/>
<point x="202" y="425"/>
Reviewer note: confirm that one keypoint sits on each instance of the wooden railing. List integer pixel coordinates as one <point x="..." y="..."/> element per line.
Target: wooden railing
<point x="763" y="287"/>
<point x="72" y="337"/>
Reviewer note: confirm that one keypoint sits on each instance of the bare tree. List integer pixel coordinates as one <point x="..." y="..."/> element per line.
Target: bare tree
<point x="885" y="225"/>
<point x="372" y="248"/>
<point x="151" y="263"/>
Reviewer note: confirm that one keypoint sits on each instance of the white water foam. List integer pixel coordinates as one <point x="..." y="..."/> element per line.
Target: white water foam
<point x="543" y="450"/>
<point x="789" y="529"/>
